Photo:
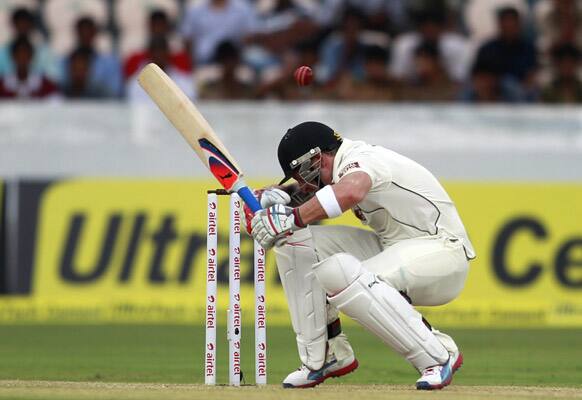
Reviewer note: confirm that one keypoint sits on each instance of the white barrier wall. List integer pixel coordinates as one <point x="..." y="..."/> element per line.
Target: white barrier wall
<point x="455" y="141"/>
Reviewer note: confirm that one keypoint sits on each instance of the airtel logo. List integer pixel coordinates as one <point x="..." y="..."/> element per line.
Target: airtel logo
<point x="211" y="299"/>
<point x="212" y="205"/>
<point x="212" y="252"/>
<point x="262" y="346"/>
<point x="237" y="344"/>
<point x="261" y="251"/>
<point x="237" y="297"/>
<point x="237" y="250"/>
<point x="237" y="204"/>
<point x="210" y="346"/>
<point x="261" y="298"/>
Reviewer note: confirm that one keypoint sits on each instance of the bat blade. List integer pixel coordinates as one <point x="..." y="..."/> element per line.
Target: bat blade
<point x="194" y="128"/>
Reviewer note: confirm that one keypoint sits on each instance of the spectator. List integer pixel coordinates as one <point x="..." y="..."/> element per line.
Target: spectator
<point x="453" y="48"/>
<point x="281" y="83"/>
<point x="79" y="84"/>
<point x="159" y="25"/>
<point x="432" y="82"/>
<point x="211" y="22"/>
<point x="514" y="55"/>
<point x="479" y="17"/>
<point x="343" y="51"/>
<point x="159" y="53"/>
<point x="25" y="82"/>
<point x="378" y="14"/>
<point x="559" y="22"/>
<point x="24" y="26"/>
<point x="281" y="27"/>
<point x="232" y="79"/>
<point x="566" y="87"/>
<point x="487" y="86"/>
<point x="105" y="70"/>
<point x="376" y="84"/>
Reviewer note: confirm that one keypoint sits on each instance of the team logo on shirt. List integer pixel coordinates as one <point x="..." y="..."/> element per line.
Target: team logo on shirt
<point x="345" y="169"/>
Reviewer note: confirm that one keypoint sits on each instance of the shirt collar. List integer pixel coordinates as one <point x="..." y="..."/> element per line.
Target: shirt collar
<point x="341" y="151"/>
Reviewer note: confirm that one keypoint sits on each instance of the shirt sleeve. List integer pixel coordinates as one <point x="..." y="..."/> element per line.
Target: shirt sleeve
<point x="365" y="162"/>
<point x="251" y="21"/>
<point x="188" y="24"/>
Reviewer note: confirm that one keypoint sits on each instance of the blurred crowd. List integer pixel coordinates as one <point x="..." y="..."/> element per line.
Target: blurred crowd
<point x="471" y="51"/>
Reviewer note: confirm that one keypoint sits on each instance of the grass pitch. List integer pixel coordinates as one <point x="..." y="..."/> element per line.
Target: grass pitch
<point x="166" y="362"/>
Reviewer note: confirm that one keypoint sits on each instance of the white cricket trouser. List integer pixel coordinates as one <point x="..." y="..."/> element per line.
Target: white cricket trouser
<point x="431" y="270"/>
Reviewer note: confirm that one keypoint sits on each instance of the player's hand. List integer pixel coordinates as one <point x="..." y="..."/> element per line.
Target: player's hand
<point x="271" y="196"/>
<point x="267" y="197"/>
<point x="272" y="225"/>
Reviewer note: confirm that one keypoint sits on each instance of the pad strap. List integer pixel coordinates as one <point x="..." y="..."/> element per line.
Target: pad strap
<point x="334" y="329"/>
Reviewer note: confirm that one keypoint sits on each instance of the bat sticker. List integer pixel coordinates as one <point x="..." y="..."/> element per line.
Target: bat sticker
<point x="219" y="165"/>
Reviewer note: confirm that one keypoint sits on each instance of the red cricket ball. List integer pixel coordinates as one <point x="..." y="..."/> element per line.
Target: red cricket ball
<point x="303" y="75"/>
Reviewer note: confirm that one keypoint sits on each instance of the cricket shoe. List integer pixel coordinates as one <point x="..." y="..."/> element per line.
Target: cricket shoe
<point x="340" y="360"/>
<point x="456" y="360"/>
<point x="436" y="377"/>
<point x="452" y="348"/>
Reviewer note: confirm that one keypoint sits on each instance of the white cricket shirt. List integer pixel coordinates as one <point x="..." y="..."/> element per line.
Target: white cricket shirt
<point x="405" y="201"/>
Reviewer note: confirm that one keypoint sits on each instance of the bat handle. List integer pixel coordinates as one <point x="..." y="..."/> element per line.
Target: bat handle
<point x="249" y="198"/>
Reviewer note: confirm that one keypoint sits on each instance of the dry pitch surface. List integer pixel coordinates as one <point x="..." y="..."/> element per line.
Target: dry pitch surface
<point x="147" y="391"/>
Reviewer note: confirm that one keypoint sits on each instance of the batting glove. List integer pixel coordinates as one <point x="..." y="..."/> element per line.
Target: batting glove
<point x="267" y="198"/>
<point x="272" y="225"/>
<point x="270" y="197"/>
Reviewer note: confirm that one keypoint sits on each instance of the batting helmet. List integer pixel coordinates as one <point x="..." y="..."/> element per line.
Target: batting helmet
<point x="300" y="140"/>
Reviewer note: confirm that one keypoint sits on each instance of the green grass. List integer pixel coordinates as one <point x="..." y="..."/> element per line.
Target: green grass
<point x="173" y="354"/>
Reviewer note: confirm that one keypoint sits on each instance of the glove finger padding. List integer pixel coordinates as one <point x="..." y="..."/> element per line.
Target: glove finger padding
<point x="267" y="197"/>
<point x="271" y="224"/>
<point x="270" y="197"/>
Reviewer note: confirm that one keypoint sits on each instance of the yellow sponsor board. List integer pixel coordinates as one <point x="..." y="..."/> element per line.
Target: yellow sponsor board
<point x="529" y="244"/>
<point x="135" y="251"/>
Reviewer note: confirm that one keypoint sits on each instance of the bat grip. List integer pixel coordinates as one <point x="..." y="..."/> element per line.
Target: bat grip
<point x="249" y="198"/>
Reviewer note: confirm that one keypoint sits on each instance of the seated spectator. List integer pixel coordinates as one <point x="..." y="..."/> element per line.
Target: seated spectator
<point x="479" y="17"/>
<point x="514" y="55"/>
<point x="454" y="50"/>
<point x="558" y="22"/>
<point x="159" y="53"/>
<point x="487" y="86"/>
<point x="25" y="83"/>
<point x="231" y="80"/>
<point x="280" y="83"/>
<point x="432" y="82"/>
<point x="105" y="68"/>
<point x="282" y="26"/>
<point x="211" y="22"/>
<point x="79" y="84"/>
<point x="378" y="14"/>
<point x="23" y="26"/>
<point x="343" y="51"/>
<point x="376" y="84"/>
<point x="566" y="86"/>
<point x="159" y="25"/>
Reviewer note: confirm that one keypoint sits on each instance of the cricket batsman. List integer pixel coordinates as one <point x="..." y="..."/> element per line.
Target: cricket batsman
<point x="416" y="253"/>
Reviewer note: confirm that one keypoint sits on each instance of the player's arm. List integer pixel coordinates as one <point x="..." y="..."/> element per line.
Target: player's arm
<point x="348" y="192"/>
<point x="272" y="225"/>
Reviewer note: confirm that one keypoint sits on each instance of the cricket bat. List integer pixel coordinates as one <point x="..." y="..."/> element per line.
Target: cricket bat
<point x="186" y="118"/>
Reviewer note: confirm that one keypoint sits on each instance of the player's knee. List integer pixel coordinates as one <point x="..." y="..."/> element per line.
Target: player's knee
<point x="337" y="272"/>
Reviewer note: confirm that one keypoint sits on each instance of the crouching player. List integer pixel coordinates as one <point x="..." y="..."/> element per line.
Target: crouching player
<point x="416" y="254"/>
